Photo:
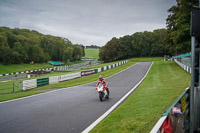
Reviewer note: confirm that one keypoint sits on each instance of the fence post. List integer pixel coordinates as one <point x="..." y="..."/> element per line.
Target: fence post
<point x="13" y="85"/>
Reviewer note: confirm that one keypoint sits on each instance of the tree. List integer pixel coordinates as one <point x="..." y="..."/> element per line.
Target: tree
<point x="19" y="55"/>
<point x="178" y="26"/>
<point x="78" y="52"/>
<point x="109" y="52"/>
<point x="24" y="45"/>
<point x="140" y="44"/>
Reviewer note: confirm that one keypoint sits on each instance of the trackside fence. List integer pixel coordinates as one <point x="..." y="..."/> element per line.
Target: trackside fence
<point x="10" y="86"/>
<point x="29" y="84"/>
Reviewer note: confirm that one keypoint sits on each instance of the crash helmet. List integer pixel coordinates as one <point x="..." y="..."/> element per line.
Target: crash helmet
<point x="100" y="77"/>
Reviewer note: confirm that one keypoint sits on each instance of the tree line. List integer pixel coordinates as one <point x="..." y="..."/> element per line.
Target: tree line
<point x="174" y="40"/>
<point x="23" y="46"/>
<point x="178" y="25"/>
<point x="140" y="44"/>
<point x="92" y="46"/>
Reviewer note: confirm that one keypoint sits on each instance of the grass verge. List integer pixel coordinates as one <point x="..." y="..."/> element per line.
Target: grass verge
<point x="139" y="113"/>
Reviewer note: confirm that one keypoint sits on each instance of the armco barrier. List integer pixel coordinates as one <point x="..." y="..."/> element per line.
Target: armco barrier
<point x="182" y="101"/>
<point x="24" y="72"/>
<point x="108" y="67"/>
<point x="186" y="68"/>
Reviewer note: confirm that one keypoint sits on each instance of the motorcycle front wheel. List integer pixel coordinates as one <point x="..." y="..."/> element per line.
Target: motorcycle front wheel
<point x="108" y="92"/>
<point x="101" y="95"/>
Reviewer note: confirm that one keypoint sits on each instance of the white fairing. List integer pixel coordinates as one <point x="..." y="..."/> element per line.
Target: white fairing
<point x="100" y="88"/>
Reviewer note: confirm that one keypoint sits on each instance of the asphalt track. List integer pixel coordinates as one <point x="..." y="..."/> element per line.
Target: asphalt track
<point x="68" y="110"/>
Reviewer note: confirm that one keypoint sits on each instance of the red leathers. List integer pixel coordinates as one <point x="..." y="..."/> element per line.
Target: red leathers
<point x="102" y="88"/>
<point x="103" y="82"/>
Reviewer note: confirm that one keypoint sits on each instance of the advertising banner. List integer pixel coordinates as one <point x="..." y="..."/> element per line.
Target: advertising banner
<point x="69" y="76"/>
<point x="89" y="72"/>
<point x="42" y="82"/>
<point x="53" y="80"/>
<point x="29" y="84"/>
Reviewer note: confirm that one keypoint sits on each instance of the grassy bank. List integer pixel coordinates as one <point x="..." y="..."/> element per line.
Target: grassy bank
<point x="92" y="53"/>
<point x="139" y="113"/>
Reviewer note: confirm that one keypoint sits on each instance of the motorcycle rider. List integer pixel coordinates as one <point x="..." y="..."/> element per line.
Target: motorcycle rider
<point x="103" y="81"/>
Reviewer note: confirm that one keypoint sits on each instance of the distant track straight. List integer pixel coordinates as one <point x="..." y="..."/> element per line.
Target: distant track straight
<point x="67" y="110"/>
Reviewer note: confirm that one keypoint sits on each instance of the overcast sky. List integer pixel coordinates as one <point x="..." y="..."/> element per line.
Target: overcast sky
<point x="85" y="22"/>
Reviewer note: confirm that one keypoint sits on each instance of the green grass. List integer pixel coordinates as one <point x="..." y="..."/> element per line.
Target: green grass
<point x="92" y="53"/>
<point x="140" y="112"/>
<point x="17" y="95"/>
<point x="6" y="87"/>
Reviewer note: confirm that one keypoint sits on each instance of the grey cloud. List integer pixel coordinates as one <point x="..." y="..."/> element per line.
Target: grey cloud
<point x="85" y="21"/>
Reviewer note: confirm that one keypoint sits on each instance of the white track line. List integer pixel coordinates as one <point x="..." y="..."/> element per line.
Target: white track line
<point x="59" y="89"/>
<point x="115" y="105"/>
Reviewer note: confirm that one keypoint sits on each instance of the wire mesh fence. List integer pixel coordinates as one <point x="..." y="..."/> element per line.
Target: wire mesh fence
<point x="10" y="86"/>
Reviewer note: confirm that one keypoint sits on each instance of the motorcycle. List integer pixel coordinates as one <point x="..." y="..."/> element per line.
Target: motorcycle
<point x="103" y="93"/>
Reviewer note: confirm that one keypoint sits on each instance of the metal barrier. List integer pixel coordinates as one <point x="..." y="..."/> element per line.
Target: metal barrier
<point x="183" y="103"/>
<point x="185" y="67"/>
<point x="73" y="67"/>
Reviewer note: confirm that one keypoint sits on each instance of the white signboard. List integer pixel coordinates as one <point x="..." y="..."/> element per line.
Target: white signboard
<point x="69" y="76"/>
<point x="53" y="80"/>
<point x="29" y="84"/>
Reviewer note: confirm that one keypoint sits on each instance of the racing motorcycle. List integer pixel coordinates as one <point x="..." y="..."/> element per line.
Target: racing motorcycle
<point x="103" y="93"/>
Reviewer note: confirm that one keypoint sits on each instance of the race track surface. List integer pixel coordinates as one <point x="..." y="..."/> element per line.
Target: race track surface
<point x="68" y="110"/>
